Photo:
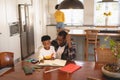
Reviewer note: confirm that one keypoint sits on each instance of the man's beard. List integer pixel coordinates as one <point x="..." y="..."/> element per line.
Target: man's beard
<point x="63" y="44"/>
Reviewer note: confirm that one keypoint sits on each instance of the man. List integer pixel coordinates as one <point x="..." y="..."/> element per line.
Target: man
<point x="63" y="46"/>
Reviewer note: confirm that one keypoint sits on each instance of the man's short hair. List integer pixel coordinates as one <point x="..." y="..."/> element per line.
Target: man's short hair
<point x="63" y="34"/>
<point x="57" y="6"/>
<point x="45" y="38"/>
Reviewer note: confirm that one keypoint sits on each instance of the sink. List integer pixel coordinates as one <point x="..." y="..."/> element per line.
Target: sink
<point x="108" y="31"/>
<point x="76" y="31"/>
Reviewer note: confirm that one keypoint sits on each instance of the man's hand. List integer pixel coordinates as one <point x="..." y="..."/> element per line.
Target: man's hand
<point x="68" y="39"/>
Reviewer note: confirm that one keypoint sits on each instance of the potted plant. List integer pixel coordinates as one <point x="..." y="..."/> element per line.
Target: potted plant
<point x="112" y="69"/>
<point x="115" y="47"/>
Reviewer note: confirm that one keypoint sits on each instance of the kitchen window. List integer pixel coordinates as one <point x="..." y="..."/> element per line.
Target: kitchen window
<point x="73" y="16"/>
<point x="107" y="13"/>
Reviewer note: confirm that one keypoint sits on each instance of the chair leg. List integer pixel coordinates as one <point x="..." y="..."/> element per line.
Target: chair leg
<point x="86" y="51"/>
<point x="97" y="44"/>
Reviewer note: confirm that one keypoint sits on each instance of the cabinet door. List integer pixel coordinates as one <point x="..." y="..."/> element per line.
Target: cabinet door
<point x="3" y="28"/>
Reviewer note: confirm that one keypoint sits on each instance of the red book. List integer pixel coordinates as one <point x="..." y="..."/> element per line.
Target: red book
<point x="70" y="68"/>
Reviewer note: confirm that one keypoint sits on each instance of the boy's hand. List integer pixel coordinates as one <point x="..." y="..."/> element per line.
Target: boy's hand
<point x="52" y="56"/>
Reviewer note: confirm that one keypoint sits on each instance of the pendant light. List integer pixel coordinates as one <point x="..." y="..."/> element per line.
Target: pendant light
<point x="106" y="1"/>
<point x="71" y="4"/>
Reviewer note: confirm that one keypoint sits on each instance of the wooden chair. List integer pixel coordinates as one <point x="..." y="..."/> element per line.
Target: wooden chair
<point x="104" y="55"/>
<point x="6" y="59"/>
<point x="91" y="38"/>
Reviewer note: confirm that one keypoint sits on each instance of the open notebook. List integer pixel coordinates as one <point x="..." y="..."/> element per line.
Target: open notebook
<point x="56" y="62"/>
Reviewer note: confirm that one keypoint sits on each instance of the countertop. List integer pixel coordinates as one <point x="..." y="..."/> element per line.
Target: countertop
<point x="104" y="30"/>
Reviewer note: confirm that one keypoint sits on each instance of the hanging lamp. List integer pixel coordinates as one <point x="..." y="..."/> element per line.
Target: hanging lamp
<point x="71" y="4"/>
<point x="107" y="1"/>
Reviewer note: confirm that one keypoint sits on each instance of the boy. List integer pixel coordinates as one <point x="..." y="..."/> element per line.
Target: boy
<point x="47" y="52"/>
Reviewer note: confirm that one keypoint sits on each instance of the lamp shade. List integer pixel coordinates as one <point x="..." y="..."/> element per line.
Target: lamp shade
<point x="71" y="4"/>
<point x="106" y="1"/>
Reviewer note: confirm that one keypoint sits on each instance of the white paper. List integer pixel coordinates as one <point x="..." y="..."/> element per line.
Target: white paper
<point x="56" y="62"/>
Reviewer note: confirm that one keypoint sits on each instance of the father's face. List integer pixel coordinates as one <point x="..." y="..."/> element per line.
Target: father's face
<point x="61" y="41"/>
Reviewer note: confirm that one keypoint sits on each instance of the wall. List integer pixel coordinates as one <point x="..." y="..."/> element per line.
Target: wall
<point x="51" y="10"/>
<point x="40" y="20"/>
<point x="37" y="5"/>
<point x="88" y="12"/>
<point x="24" y="1"/>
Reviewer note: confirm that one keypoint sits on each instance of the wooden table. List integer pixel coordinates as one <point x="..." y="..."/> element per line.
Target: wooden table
<point x="89" y="69"/>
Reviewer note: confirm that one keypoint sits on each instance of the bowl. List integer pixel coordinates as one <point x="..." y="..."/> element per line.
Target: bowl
<point x="110" y="74"/>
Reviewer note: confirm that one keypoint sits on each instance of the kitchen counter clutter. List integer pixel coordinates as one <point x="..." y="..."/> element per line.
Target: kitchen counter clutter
<point x="71" y="28"/>
<point x="102" y="31"/>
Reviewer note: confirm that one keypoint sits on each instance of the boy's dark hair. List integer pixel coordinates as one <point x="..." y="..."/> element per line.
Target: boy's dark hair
<point x="63" y="34"/>
<point x="57" y="6"/>
<point x="45" y="38"/>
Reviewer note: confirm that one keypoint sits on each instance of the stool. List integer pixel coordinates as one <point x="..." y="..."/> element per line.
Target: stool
<point x="91" y="38"/>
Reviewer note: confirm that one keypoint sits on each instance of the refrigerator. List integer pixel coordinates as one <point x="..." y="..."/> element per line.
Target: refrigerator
<point x="26" y="30"/>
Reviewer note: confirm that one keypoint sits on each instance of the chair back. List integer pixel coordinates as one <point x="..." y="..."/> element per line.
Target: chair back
<point x="104" y="55"/>
<point x="91" y="36"/>
<point x="6" y="59"/>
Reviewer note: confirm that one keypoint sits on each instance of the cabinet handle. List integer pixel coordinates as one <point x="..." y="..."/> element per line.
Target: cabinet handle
<point x="0" y="33"/>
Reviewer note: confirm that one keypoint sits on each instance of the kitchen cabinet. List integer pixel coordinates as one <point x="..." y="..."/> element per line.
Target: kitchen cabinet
<point x="3" y="28"/>
<point x="9" y="15"/>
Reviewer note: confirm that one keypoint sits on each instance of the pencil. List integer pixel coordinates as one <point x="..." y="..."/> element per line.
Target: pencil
<point x="51" y="70"/>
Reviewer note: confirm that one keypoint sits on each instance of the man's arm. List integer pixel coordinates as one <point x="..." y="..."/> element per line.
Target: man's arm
<point x="68" y="39"/>
<point x="72" y="47"/>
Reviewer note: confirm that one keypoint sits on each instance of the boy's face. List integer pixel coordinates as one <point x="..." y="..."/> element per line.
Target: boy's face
<point x="46" y="44"/>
